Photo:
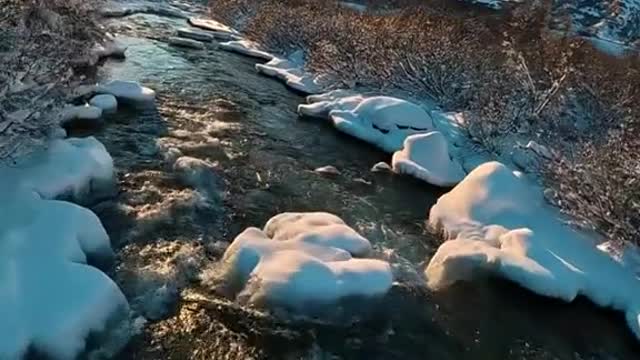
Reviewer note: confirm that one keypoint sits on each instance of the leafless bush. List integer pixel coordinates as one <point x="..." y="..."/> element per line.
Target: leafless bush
<point x="511" y="76"/>
<point x="41" y="42"/>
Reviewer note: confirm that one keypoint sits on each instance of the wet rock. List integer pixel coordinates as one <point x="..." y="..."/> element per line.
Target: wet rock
<point x="540" y="150"/>
<point x="157" y="304"/>
<point x="195" y="35"/>
<point x="381" y="167"/>
<point x="85" y="115"/>
<point x="108" y="103"/>
<point x="200" y="175"/>
<point x="523" y="158"/>
<point x="327" y="170"/>
<point x="186" y="43"/>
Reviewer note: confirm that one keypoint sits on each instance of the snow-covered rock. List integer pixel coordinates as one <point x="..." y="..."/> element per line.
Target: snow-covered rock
<point x="106" y="102"/>
<point x="110" y="48"/>
<point x="495" y="222"/>
<point x="195" y="35"/>
<point x="186" y="43"/>
<point x="127" y="91"/>
<point x="50" y="299"/>
<point x="320" y="106"/>
<point x="327" y="170"/>
<point x="291" y="72"/>
<point x="426" y="157"/>
<point x="304" y="259"/>
<point x="381" y="167"/>
<point x="72" y="168"/>
<point x="85" y="114"/>
<point x="246" y="47"/>
<point x="382" y="121"/>
<point x="212" y="25"/>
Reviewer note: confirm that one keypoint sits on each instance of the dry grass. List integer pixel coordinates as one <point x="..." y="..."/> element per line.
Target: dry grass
<point x="510" y="75"/>
<point x="41" y="42"/>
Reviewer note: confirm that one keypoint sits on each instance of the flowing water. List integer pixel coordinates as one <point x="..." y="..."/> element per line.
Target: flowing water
<point x="212" y="105"/>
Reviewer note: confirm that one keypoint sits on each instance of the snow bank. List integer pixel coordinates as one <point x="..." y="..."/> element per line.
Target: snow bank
<point x="50" y="299"/>
<point x="246" y="47"/>
<point x="127" y="91"/>
<point x="426" y="157"/>
<point x="71" y="168"/>
<point x="304" y="259"/>
<point x="379" y="120"/>
<point x="291" y="72"/>
<point x="497" y="223"/>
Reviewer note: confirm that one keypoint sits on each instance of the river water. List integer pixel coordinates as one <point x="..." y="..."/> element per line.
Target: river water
<point x="212" y="105"/>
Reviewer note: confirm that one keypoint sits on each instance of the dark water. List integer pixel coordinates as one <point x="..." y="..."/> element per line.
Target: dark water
<point x="212" y="105"/>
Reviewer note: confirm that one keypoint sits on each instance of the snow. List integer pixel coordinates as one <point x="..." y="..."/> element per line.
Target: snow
<point x="426" y="157"/>
<point x="51" y="299"/>
<point x="195" y="35"/>
<point x="212" y="25"/>
<point x="70" y="168"/>
<point x="303" y="259"/>
<point x="246" y="47"/>
<point x="185" y="43"/>
<point x="382" y="121"/>
<point x="107" y="103"/>
<point x="495" y="221"/>
<point x="291" y="72"/>
<point x="127" y="91"/>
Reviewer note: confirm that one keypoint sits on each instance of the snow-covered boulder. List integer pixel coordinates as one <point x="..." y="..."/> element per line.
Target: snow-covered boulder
<point x="246" y="47"/>
<point x="75" y="168"/>
<point x="212" y="25"/>
<point x="195" y="35"/>
<point x="83" y="114"/>
<point x="301" y="260"/>
<point x="291" y="72"/>
<point x="426" y="157"/>
<point x="382" y="121"/>
<point x="185" y="43"/>
<point x="51" y="300"/>
<point x="128" y="91"/>
<point x="106" y="102"/>
<point x="321" y="106"/>
<point x="495" y="222"/>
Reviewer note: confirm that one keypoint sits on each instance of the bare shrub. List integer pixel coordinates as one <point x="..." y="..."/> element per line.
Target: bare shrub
<point x="40" y="43"/>
<point x="512" y="76"/>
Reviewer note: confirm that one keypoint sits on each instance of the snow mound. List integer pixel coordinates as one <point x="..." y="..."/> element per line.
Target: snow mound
<point x="246" y="47"/>
<point x="379" y="120"/>
<point x="127" y="91"/>
<point x="497" y="223"/>
<point x="87" y="114"/>
<point x="70" y="168"/>
<point x="107" y="103"/>
<point x="291" y="72"/>
<point x="426" y="156"/>
<point x="301" y="260"/>
<point x="51" y="300"/>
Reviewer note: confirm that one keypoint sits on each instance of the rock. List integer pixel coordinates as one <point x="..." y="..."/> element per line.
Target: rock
<point x="200" y="175"/>
<point x="540" y="150"/>
<point x="81" y="115"/>
<point x="381" y="167"/>
<point x="195" y="35"/>
<point x="327" y="170"/>
<point x="186" y="43"/>
<point x="426" y="157"/>
<point x="110" y="48"/>
<point x="128" y="91"/>
<point x="524" y="158"/>
<point x="108" y="103"/>
<point x="82" y="91"/>
<point x="57" y="133"/>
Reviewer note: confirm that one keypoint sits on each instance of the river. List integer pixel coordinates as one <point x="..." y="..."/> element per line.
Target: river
<point x="213" y="105"/>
